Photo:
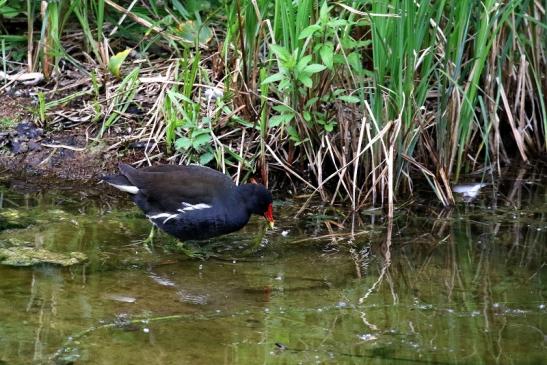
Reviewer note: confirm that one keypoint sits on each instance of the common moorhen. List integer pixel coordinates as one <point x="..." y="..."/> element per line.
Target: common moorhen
<point x="192" y="202"/>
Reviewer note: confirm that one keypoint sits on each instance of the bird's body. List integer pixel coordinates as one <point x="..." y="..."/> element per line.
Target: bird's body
<point x="192" y="202"/>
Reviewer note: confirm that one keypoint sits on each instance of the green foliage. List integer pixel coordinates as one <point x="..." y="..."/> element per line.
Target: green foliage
<point x="386" y="87"/>
<point x="196" y="142"/>
<point x="7" y="123"/>
<point x="294" y="71"/>
<point x="11" y="8"/>
<point x="299" y="70"/>
<point x="186" y="130"/>
<point x="116" y="61"/>
<point x="123" y="97"/>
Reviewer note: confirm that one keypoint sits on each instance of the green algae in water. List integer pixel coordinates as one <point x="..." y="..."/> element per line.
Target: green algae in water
<point x="460" y="286"/>
<point x="13" y="218"/>
<point x="16" y="253"/>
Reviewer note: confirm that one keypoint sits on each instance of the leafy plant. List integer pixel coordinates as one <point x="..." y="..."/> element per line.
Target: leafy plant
<point x="197" y="142"/>
<point x="11" y="8"/>
<point x="116" y="61"/>
<point x="123" y="97"/>
<point x="191" y="134"/>
<point x="294" y="76"/>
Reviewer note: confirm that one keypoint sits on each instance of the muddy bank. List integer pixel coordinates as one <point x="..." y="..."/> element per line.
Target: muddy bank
<point x="53" y="151"/>
<point x="27" y="150"/>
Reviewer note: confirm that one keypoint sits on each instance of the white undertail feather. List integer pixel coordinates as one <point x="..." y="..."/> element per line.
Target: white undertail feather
<point x="127" y="188"/>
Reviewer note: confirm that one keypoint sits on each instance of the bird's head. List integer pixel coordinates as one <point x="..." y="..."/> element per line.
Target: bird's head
<point x="258" y="200"/>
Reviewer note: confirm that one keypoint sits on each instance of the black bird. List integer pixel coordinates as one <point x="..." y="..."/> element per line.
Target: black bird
<point x="192" y="202"/>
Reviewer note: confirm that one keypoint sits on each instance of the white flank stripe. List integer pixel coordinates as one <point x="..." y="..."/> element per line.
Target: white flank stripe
<point x="127" y="188"/>
<point x="188" y="207"/>
<point x="167" y="216"/>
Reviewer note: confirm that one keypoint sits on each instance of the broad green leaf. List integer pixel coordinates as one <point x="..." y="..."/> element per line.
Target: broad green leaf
<point x="339" y="59"/>
<point x="183" y="143"/>
<point x="280" y="52"/>
<point x="327" y="52"/>
<point x="115" y="62"/>
<point x="338" y="23"/>
<point x="205" y="158"/>
<point x="305" y="80"/>
<point x="311" y="102"/>
<point x="199" y="131"/>
<point x="314" y="68"/>
<point x="201" y="139"/>
<point x="350" y="99"/>
<point x="8" y="12"/>
<point x="293" y="133"/>
<point x="329" y="127"/>
<point x="324" y="12"/>
<point x="273" y="78"/>
<point x="280" y="119"/>
<point x="301" y="65"/>
<point x="308" y="31"/>
<point x="354" y="60"/>
<point x="284" y="84"/>
<point x="191" y="30"/>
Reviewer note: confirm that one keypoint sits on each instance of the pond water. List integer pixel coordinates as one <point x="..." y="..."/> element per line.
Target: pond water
<point x="439" y="286"/>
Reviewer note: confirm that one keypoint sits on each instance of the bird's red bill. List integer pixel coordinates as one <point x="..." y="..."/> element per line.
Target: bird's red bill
<point x="269" y="213"/>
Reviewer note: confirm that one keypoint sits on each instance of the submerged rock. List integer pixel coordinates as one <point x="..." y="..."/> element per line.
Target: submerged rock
<point x="29" y="256"/>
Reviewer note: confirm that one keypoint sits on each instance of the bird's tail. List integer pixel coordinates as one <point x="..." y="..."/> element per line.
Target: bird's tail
<point x="120" y="182"/>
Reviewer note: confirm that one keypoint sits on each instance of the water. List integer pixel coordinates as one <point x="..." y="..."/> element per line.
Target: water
<point x="459" y="286"/>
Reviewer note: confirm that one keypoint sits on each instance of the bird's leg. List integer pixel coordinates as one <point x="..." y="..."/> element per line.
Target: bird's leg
<point x="256" y="242"/>
<point x="148" y="242"/>
<point x="150" y="239"/>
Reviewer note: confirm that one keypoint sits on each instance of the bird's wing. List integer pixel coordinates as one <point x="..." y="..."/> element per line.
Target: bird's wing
<point x="170" y="186"/>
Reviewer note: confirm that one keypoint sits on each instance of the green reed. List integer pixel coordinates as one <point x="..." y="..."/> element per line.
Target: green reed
<point x="364" y="95"/>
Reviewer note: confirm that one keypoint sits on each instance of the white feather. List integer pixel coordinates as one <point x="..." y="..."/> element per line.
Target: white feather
<point x="127" y="188"/>
<point x="189" y="207"/>
<point x="468" y="190"/>
<point x="167" y="216"/>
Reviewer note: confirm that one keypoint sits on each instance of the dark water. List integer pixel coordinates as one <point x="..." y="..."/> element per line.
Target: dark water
<point x="459" y="286"/>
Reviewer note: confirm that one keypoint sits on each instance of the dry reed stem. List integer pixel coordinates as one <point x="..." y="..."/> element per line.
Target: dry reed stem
<point x="356" y="164"/>
<point x="287" y="168"/>
<point x="517" y="134"/>
<point x="145" y="23"/>
<point x="122" y="18"/>
<point x="376" y="138"/>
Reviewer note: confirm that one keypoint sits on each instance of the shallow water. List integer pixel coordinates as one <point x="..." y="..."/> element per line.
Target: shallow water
<point x="459" y="286"/>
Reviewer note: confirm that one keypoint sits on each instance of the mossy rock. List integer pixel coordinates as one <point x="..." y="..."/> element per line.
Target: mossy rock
<point x="29" y="256"/>
<point x="11" y="242"/>
<point x="11" y="218"/>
